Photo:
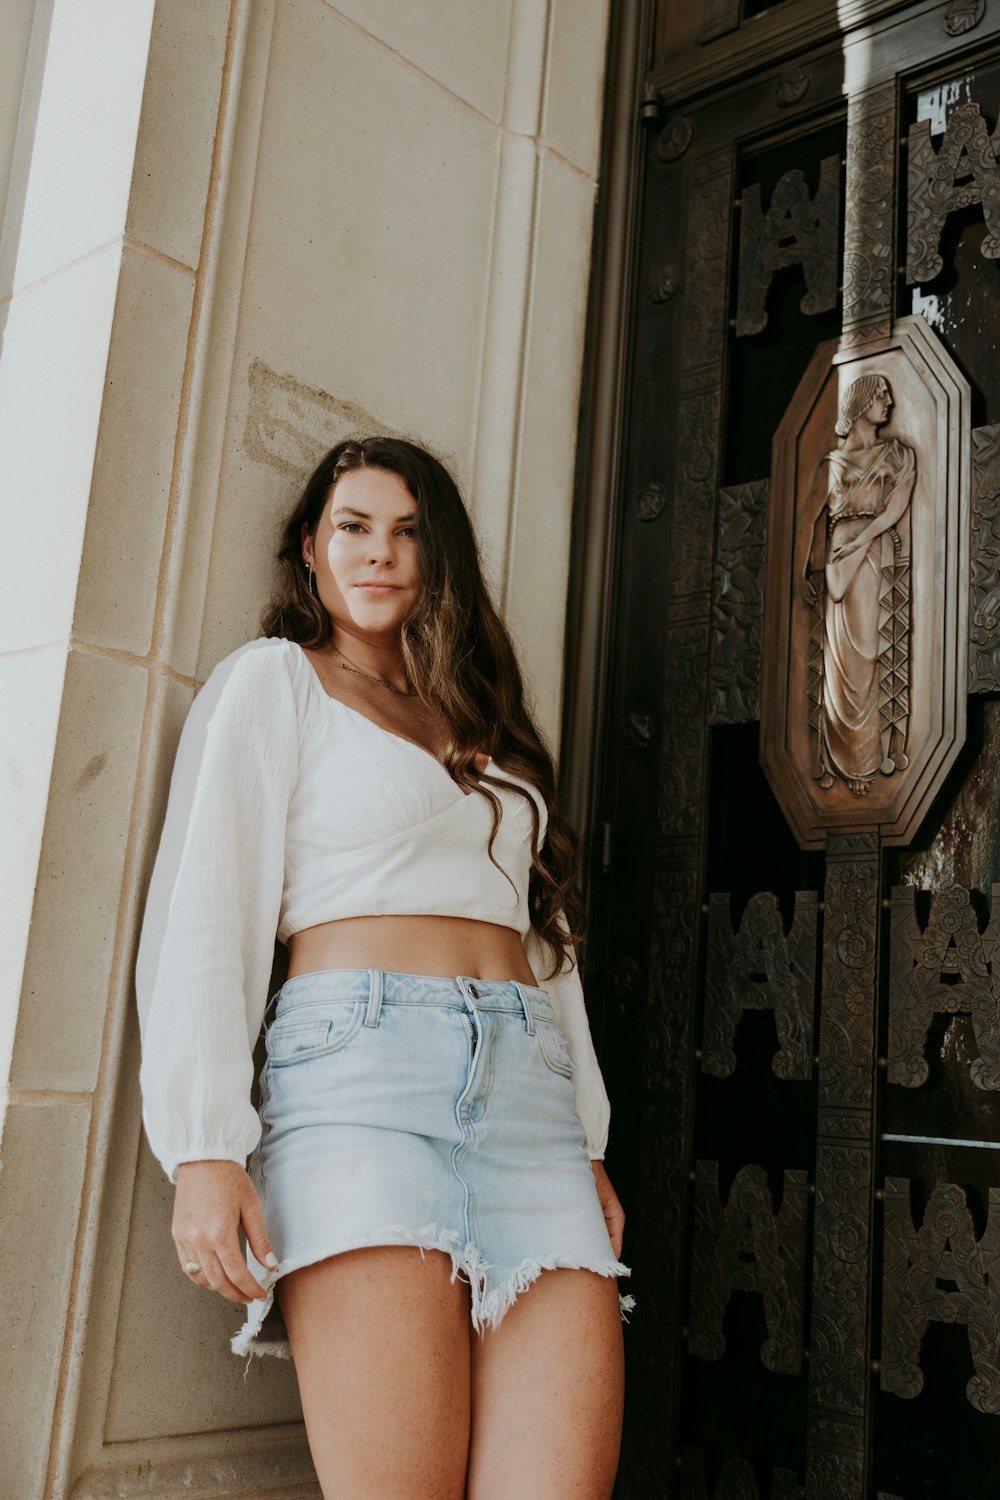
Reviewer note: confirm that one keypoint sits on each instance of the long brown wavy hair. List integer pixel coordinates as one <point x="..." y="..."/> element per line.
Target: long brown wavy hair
<point x="458" y="656"/>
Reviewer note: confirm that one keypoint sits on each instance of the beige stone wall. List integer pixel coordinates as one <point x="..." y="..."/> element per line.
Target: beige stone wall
<point x="363" y="214"/>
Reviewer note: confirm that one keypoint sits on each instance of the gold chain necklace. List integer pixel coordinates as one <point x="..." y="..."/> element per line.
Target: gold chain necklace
<point x="359" y="672"/>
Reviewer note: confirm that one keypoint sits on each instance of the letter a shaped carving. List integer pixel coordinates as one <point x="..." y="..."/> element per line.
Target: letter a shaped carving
<point x="796" y="229"/>
<point x="745" y="1246"/>
<point x="939" y="185"/>
<point x="921" y="1268"/>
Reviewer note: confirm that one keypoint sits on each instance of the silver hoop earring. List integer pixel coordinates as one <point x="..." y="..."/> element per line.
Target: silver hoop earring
<point x="312" y="585"/>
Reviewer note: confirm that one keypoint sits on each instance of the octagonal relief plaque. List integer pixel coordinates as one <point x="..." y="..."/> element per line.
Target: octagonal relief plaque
<point x="866" y="595"/>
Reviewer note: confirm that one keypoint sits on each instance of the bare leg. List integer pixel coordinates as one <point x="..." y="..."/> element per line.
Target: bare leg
<point x="547" y="1391"/>
<point x="380" y="1339"/>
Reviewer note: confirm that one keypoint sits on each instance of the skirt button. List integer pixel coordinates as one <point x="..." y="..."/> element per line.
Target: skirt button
<point x="473" y="992"/>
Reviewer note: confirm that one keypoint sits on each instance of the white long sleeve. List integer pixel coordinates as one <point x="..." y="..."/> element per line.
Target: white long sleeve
<point x="208" y="938"/>
<point x="566" y="993"/>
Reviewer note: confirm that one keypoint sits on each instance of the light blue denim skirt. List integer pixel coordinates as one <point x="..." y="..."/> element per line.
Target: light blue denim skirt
<point x="399" y="1109"/>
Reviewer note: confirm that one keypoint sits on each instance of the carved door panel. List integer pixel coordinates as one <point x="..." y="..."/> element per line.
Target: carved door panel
<point x="803" y="1043"/>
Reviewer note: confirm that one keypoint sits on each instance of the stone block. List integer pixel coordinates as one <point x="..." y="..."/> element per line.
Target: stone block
<point x="41" y="1176"/>
<point x="123" y="543"/>
<point x="463" y="47"/>
<point x="574" y="93"/>
<point x="538" y="565"/>
<point x="208" y="1389"/>
<point x="71" y="945"/>
<point x="180" y="106"/>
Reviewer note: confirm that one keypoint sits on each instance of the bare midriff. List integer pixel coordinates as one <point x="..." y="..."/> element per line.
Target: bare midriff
<point x="442" y="946"/>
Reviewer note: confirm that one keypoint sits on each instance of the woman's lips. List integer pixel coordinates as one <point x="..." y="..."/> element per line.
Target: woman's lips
<point x="378" y="588"/>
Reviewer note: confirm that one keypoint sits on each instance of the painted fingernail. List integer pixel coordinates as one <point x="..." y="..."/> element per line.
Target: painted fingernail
<point x="271" y="1260"/>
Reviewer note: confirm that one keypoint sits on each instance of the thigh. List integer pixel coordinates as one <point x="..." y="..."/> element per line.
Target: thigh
<point x="380" y="1339"/>
<point x="547" y="1391"/>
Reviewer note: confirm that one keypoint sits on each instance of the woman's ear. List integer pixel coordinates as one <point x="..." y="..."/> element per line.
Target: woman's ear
<point x="308" y="549"/>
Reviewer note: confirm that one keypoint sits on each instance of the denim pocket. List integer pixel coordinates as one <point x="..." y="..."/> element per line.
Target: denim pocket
<point x="554" y="1048"/>
<point x="299" y="1035"/>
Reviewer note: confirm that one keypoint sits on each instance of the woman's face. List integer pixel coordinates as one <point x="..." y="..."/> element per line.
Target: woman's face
<point x="365" y="553"/>
<point x="880" y="406"/>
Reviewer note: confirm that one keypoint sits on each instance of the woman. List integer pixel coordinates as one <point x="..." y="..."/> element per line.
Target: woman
<point x="870" y="485"/>
<point x="367" y="783"/>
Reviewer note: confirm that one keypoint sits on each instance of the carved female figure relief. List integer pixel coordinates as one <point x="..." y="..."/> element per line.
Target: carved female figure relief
<point x="855" y="574"/>
<point x="864" y="653"/>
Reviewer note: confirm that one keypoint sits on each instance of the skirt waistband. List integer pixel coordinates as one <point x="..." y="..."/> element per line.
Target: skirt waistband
<point x="378" y="987"/>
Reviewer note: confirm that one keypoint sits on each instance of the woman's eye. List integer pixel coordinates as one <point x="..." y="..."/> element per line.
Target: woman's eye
<point x="408" y="531"/>
<point x="350" y="526"/>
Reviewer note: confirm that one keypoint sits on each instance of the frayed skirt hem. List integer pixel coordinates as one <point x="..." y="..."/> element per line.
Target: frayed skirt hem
<point x="489" y="1303"/>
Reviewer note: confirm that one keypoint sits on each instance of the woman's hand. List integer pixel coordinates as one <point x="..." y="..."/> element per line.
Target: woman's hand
<point x="614" y="1214"/>
<point x="213" y="1199"/>
<point x="837" y="554"/>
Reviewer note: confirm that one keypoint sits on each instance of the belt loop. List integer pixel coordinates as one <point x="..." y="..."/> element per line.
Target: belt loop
<point x="374" y="1010"/>
<point x="269" y="1010"/>
<point x="529" y="1020"/>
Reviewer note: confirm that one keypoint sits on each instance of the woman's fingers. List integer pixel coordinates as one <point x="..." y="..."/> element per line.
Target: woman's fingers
<point x="614" y="1214"/>
<point x="252" y="1218"/>
<point x="614" y="1218"/>
<point x="219" y="1281"/>
<point x="188" y="1259"/>
<point x="238" y="1273"/>
<point x="223" y="1270"/>
<point x="213" y="1197"/>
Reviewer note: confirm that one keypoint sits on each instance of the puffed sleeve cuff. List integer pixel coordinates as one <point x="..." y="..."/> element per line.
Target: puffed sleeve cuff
<point x="225" y="1129"/>
<point x="211" y="1151"/>
<point x="566" y="993"/>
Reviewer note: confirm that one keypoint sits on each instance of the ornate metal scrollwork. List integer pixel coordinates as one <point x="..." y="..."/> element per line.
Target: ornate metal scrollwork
<point x="736" y="1480"/>
<point x="683" y="742"/>
<point x="917" y="1261"/>
<point x="725" y="1237"/>
<point x="650" y="501"/>
<point x="737" y="603"/>
<point x="671" y="961"/>
<point x="662" y="285"/>
<point x="639" y="730"/>
<point x="952" y="968"/>
<point x="792" y="87"/>
<point x="984" y="596"/>
<point x="939" y="186"/>
<point x="795" y="229"/>
<point x="963" y="15"/>
<point x="760" y="968"/>
<point x="838" y="1368"/>
<point x="849" y="937"/>
<point x="675" y="138"/>
<point x="869" y="213"/>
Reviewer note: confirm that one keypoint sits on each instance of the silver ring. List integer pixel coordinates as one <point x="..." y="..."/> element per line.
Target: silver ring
<point x="192" y="1267"/>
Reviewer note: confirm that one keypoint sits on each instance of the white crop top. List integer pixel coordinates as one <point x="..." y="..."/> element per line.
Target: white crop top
<point x="288" y="808"/>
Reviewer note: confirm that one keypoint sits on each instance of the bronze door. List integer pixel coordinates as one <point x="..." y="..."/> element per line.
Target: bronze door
<point x="803" y="1044"/>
